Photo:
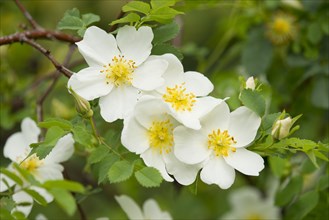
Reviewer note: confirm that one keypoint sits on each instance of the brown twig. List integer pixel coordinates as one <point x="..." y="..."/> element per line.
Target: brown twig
<point x="56" y="76"/>
<point x="27" y="15"/>
<point x="38" y="34"/>
<point x="68" y="73"/>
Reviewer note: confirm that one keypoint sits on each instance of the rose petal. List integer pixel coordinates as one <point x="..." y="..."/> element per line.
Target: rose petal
<point x="218" y="118"/>
<point x="217" y="171"/>
<point x="49" y="172"/>
<point x="244" y="124"/>
<point x="190" y="145"/>
<point x="23" y="197"/>
<point x="90" y="83"/>
<point x="197" y="83"/>
<point x="119" y="103"/>
<point x="185" y="174"/>
<point x="130" y="207"/>
<point x="134" y="136"/>
<point x="16" y="147"/>
<point x="30" y="130"/>
<point x="97" y="47"/>
<point x="135" y="44"/>
<point x="62" y="151"/>
<point x="153" y="158"/>
<point x="148" y="76"/>
<point x="152" y="211"/>
<point x="245" y="161"/>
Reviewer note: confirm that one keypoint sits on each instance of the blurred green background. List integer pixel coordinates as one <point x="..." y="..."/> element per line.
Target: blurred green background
<point x="222" y="39"/>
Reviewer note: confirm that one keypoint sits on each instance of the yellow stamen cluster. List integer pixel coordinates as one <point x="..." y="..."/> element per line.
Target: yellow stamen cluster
<point x="31" y="163"/>
<point x="179" y="99"/>
<point x="119" y="72"/>
<point x="221" y="142"/>
<point x="281" y="29"/>
<point x="160" y="136"/>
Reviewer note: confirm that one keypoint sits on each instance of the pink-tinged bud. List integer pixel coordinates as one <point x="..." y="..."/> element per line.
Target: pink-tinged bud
<point x="281" y="128"/>
<point x="82" y="106"/>
<point x="250" y="83"/>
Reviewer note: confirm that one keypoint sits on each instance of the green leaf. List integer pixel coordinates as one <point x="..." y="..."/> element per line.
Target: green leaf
<point x="323" y="182"/>
<point x="18" y="215"/>
<point x="130" y="18"/>
<point x="314" y="33"/>
<point x="137" y="6"/>
<point x="285" y="195"/>
<point x="149" y="177"/>
<point x="163" y="48"/>
<point x="5" y="214"/>
<point x="65" y="184"/>
<point x="36" y="196"/>
<point x="279" y="166"/>
<point x="253" y="100"/>
<point x="268" y="121"/>
<point x="105" y="165"/>
<point x="83" y="136"/>
<point x="257" y="54"/>
<point x="161" y="3"/>
<point x="120" y="171"/>
<point x="162" y="15"/>
<point x="51" y="122"/>
<point x="70" y="23"/>
<point x="12" y="176"/>
<point x="98" y="154"/>
<point x="303" y="206"/>
<point x="73" y="12"/>
<point x="65" y="200"/>
<point x="90" y="18"/>
<point x="165" y="33"/>
<point x="53" y="135"/>
<point x="7" y="203"/>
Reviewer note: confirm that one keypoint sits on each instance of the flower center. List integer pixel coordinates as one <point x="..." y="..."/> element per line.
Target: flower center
<point x="281" y="26"/>
<point x="31" y="163"/>
<point x="119" y="72"/>
<point x="254" y="216"/>
<point x="221" y="142"/>
<point x="160" y="136"/>
<point x="179" y="99"/>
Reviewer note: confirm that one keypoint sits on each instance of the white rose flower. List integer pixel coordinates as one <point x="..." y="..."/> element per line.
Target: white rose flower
<point x="281" y="128"/>
<point x="220" y="145"/>
<point x="184" y="93"/>
<point x="118" y="69"/>
<point x="250" y="83"/>
<point x="150" y="134"/>
<point x="17" y="149"/>
<point x="151" y="210"/>
<point x="248" y="203"/>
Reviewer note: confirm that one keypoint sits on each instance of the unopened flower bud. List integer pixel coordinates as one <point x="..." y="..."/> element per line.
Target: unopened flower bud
<point x="281" y="128"/>
<point x="82" y="106"/>
<point x="250" y="83"/>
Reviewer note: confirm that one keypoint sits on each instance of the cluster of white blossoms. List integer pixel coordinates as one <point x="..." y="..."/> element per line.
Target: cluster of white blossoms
<point x="169" y="118"/>
<point x="17" y="149"/>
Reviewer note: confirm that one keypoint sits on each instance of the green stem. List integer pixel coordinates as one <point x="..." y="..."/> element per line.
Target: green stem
<point x="92" y="123"/>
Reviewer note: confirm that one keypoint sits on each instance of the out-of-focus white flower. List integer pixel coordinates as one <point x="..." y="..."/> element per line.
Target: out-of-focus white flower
<point x="281" y="128"/>
<point x="247" y="203"/>
<point x="41" y="217"/>
<point x="185" y="94"/>
<point x="292" y="3"/>
<point x="17" y="149"/>
<point x="118" y="69"/>
<point x="151" y="210"/>
<point x="150" y="134"/>
<point x="220" y="145"/>
<point x="250" y="83"/>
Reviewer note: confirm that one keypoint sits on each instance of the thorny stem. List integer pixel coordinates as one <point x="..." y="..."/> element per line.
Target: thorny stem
<point x="68" y="73"/>
<point x="27" y="15"/>
<point x="38" y="34"/>
<point x="56" y="76"/>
